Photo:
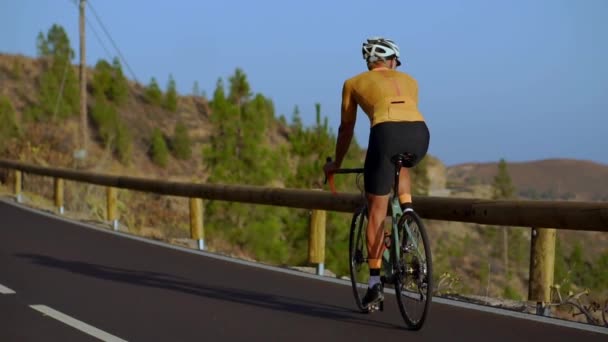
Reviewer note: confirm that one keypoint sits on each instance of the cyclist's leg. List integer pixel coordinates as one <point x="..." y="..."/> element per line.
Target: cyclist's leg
<point x="378" y="183"/>
<point x="377" y="208"/>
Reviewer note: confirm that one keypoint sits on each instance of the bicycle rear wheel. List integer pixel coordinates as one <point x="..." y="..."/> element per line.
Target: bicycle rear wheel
<point x="413" y="283"/>
<point x="357" y="255"/>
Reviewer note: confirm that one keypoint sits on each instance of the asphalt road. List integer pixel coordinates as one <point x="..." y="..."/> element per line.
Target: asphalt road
<point x="61" y="281"/>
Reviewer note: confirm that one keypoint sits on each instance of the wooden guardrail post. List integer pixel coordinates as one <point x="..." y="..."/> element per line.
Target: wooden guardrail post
<point x="59" y="194"/>
<point x="111" y="212"/>
<point x="17" y="188"/>
<point x="542" y="262"/>
<point x="196" y="222"/>
<point x="316" y="240"/>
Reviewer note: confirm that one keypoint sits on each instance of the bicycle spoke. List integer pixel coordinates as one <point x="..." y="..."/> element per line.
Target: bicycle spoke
<point x="414" y="271"/>
<point x="359" y="269"/>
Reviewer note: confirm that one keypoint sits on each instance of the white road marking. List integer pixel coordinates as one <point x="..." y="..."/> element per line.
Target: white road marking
<point x="5" y="290"/>
<point x="91" y="330"/>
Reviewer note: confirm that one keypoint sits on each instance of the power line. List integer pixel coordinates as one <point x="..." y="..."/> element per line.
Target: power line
<point x="103" y="27"/>
<point x="99" y="38"/>
<point x="96" y="34"/>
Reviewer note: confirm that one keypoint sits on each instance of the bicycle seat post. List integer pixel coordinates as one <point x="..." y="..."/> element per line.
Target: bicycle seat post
<point x="402" y="160"/>
<point x="398" y="165"/>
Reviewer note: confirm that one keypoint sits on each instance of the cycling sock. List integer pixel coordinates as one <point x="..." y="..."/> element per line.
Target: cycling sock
<point x="406" y="205"/>
<point x="374" y="276"/>
<point x="373" y="280"/>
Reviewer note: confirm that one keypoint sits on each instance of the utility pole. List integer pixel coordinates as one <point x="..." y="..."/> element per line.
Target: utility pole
<point x="81" y="153"/>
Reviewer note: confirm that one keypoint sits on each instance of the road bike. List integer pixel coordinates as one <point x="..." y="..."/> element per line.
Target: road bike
<point x="406" y="259"/>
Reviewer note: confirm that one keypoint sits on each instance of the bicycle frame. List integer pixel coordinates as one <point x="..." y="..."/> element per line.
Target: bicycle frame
<point x="390" y="256"/>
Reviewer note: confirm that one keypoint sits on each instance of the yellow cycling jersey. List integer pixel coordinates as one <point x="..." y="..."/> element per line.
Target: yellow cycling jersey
<point x="384" y="95"/>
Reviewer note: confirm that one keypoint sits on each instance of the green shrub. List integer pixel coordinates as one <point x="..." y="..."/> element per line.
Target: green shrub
<point x="123" y="143"/>
<point x="158" y="149"/>
<point x="181" y="142"/>
<point x="105" y="118"/>
<point x="113" y="133"/>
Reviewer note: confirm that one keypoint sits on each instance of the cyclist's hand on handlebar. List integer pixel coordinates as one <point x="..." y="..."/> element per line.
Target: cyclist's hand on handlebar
<point x="330" y="167"/>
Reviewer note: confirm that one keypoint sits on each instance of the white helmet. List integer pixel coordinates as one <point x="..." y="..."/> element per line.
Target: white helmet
<point x="378" y="48"/>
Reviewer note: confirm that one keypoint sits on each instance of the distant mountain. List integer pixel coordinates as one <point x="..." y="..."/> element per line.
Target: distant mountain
<point x="551" y="179"/>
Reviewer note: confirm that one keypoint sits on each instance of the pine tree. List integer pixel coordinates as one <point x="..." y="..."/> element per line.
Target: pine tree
<point x="298" y="136"/>
<point x="170" y="102"/>
<point x="102" y="79"/>
<point x="59" y="94"/>
<point x="238" y="153"/>
<point x="124" y="145"/>
<point x="42" y="46"/>
<point x="240" y="91"/>
<point x="105" y="118"/>
<point x="195" y="89"/>
<point x="110" y="89"/>
<point x="296" y="119"/>
<point x="219" y="154"/>
<point x="181" y="142"/>
<point x="119" y="87"/>
<point x="153" y="94"/>
<point x="159" y="150"/>
<point x="502" y="188"/>
<point x="56" y="44"/>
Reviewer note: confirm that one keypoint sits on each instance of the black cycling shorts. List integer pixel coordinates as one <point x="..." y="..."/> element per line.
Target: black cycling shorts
<point x="387" y="139"/>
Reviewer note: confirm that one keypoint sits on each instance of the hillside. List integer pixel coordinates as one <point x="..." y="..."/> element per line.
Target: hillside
<point x="20" y="75"/>
<point x="551" y="179"/>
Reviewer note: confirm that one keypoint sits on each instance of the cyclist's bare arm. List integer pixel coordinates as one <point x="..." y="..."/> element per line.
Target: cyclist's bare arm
<point x="347" y="124"/>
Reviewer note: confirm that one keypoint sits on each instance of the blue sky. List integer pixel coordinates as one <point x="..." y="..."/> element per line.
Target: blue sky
<point x="518" y="79"/>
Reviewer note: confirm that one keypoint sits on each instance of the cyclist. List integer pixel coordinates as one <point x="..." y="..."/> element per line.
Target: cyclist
<point x="390" y="100"/>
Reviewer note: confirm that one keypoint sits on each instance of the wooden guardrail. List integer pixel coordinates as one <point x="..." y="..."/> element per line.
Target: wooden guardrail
<point x="587" y="216"/>
<point x="542" y="216"/>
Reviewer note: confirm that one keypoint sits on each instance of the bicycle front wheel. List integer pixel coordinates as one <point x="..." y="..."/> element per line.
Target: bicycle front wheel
<point x="413" y="281"/>
<point x="357" y="255"/>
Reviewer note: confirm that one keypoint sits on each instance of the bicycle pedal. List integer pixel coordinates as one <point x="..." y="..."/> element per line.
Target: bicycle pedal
<point x="378" y="306"/>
